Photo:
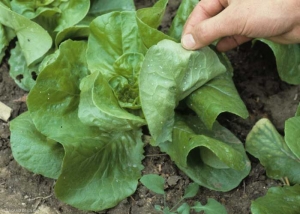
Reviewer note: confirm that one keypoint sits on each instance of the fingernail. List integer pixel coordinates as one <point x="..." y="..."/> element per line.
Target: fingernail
<point x="188" y="41"/>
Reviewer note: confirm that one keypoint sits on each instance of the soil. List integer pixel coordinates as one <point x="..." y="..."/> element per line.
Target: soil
<point x="264" y="94"/>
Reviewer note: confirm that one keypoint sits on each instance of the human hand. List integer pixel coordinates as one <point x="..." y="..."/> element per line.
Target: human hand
<point x="237" y="21"/>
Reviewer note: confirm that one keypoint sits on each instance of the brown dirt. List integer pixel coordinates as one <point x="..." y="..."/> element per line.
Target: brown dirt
<point x="259" y="86"/>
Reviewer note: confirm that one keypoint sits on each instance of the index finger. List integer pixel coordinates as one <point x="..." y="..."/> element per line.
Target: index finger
<point x="205" y="9"/>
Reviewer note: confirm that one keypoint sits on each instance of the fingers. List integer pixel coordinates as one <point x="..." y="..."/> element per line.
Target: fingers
<point x="228" y="43"/>
<point x="207" y="31"/>
<point x="204" y="9"/>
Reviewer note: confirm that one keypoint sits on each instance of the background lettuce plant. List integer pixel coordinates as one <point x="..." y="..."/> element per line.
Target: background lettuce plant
<point x="102" y="77"/>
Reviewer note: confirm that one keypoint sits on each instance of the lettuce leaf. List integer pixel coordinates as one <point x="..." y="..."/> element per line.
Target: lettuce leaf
<point x="53" y="14"/>
<point x="182" y="14"/>
<point x="116" y="50"/>
<point x="23" y="75"/>
<point x="215" y="158"/>
<point x="148" y="19"/>
<point x="169" y="74"/>
<point x="56" y="93"/>
<point x="275" y="152"/>
<point x="33" y="39"/>
<point x="278" y="200"/>
<point x="99" y="106"/>
<point x="112" y="35"/>
<point x="287" y="60"/>
<point x="217" y="96"/>
<point x="99" y="172"/>
<point x="33" y="150"/>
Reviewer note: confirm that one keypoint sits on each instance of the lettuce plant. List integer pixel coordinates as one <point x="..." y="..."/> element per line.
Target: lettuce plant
<point x="101" y="78"/>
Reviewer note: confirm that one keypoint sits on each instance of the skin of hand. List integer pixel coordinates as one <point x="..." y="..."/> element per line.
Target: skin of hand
<point x="237" y="21"/>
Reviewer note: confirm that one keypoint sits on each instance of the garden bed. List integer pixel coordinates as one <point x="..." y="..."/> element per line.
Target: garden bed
<point x="264" y="94"/>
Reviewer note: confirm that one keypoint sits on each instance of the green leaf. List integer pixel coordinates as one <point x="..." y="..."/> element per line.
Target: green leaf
<point x="125" y="82"/>
<point x="190" y="135"/>
<point x="148" y="19"/>
<point x="61" y="14"/>
<point x="278" y="200"/>
<point x="169" y="74"/>
<point x="292" y="135"/>
<point x="158" y="207"/>
<point x="74" y="32"/>
<point x="287" y="60"/>
<point x="212" y="207"/>
<point x="182" y="14"/>
<point x="99" y="172"/>
<point x="266" y="144"/>
<point x="184" y="209"/>
<point x="100" y="7"/>
<point x="53" y="101"/>
<point x="217" y="96"/>
<point x="33" y="39"/>
<point x="99" y="107"/>
<point x="22" y="74"/>
<point x="111" y="36"/>
<point x="191" y="190"/>
<point x="33" y="150"/>
<point x="117" y="52"/>
<point x="167" y="210"/>
<point x="154" y="182"/>
<point x="73" y="11"/>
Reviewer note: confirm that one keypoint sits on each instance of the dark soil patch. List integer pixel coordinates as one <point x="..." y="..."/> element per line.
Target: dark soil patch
<point x="264" y="94"/>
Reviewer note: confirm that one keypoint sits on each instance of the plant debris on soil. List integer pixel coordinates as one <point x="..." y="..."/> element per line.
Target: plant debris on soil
<point x="260" y="87"/>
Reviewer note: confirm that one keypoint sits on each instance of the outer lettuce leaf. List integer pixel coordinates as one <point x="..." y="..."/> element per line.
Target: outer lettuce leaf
<point x="53" y="101"/>
<point x="190" y="137"/>
<point x="169" y="74"/>
<point x="265" y="143"/>
<point x="33" y="39"/>
<point x="182" y="14"/>
<point x="287" y="60"/>
<point x="292" y="135"/>
<point x="23" y="75"/>
<point x="148" y="20"/>
<point x="112" y="35"/>
<point x="278" y="200"/>
<point x="217" y="96"/>
<point x="98" y="173"/>
<point x="62" y="13"/>
<point x="99" y="106"/>
<point x="33" y="150"/>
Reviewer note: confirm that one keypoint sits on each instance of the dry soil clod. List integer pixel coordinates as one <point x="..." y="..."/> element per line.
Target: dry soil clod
<point x="5" y="112"/>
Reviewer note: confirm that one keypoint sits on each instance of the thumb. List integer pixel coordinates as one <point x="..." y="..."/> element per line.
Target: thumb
<point x="209" y="30"/>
